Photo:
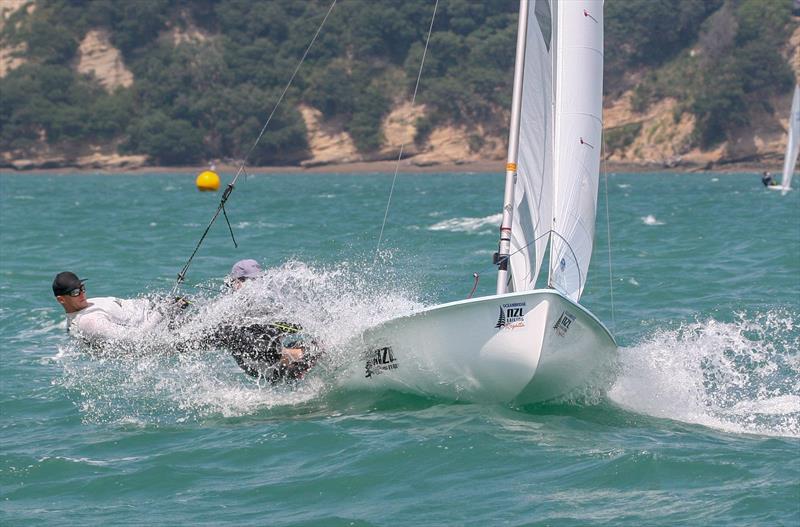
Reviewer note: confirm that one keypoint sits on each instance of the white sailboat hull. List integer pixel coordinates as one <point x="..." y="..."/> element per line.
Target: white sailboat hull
<point x="779" y="187"/>
<point x="519" y="347"/>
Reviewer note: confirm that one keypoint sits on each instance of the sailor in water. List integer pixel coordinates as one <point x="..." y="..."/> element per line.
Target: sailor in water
<point x="273" y="351"/>
<point x="99" y="320"/>
<point x="767" y="180"/>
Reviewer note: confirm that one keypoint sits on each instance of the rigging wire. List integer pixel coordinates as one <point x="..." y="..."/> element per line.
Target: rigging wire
<point x="402" y="146"/>
<point x="476" y="275"/>
<point x="608" y="234"/>
<point x="226" y="194"/>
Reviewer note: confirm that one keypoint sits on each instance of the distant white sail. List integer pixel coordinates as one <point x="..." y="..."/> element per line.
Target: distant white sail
<point x="578" y="46"/>
<point x="792" y="143"/>
<point x="533" y="190"/>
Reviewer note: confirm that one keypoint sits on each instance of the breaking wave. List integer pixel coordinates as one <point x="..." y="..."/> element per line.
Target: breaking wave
<point x="468" y="224"/>
<point x="741" y="376"/>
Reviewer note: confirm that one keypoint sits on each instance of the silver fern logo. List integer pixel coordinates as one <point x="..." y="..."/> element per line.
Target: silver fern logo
<point x="501" y="322"/>
<point x="511" y="316"/>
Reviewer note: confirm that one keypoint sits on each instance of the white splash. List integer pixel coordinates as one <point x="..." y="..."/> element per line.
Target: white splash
<point x="741" y="376"/>
<point x="162" y="378"/>
<point x="651" y="220"/>
<point x="467" y="224"/>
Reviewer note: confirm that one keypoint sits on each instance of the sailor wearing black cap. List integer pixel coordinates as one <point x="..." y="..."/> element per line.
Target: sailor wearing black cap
<point x="103" y="318"/>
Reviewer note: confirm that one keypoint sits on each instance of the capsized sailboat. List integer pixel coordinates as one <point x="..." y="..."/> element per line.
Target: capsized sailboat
<point x="523" y="344"/>
<point x="792" y="144"/>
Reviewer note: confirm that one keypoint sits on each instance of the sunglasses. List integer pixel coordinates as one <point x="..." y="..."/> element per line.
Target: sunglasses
<point x="77" y="291"/>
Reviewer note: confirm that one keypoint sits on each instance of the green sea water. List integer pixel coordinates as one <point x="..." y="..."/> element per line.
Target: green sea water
<point x="700" y="427"/>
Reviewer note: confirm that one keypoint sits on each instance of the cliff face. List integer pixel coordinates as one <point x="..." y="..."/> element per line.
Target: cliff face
<point x="662" y="134"/>
<point x="11" y="55"/>
<point x="96" y="56"/>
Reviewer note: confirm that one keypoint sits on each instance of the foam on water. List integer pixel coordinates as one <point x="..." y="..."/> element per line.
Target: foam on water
<point x="467" y="224"/>
<point x="741" y="376"/>
<point x="144" y="380"/>
<point x="651" y="220"/>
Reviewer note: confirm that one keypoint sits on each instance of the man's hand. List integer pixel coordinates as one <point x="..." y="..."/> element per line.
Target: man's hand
<point x="181" y="302"/>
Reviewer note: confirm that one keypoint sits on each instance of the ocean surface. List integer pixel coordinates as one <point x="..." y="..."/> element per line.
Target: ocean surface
<point x="701" y="425"/>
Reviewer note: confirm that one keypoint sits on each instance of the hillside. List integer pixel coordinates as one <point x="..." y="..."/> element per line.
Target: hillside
<point x="105" y="84"/>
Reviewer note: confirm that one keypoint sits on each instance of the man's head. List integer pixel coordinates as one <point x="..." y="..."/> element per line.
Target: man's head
<point x="69" y="292"/>
<point x="244" y="270"/>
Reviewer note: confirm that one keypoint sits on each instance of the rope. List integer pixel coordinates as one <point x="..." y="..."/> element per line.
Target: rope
<point x="230" y="187"/>
<point x="608" y="233"/>
<point x="403" y="145"/>
<point x="477" y="277"/>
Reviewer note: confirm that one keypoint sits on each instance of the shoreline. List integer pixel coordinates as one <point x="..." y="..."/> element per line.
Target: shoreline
<point x="384" y="167"/>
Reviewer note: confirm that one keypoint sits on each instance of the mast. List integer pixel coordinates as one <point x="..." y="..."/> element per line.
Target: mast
<point x="501" y="258"/>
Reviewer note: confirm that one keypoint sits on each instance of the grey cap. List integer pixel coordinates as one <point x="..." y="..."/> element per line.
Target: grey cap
<point x="245" y="269"/>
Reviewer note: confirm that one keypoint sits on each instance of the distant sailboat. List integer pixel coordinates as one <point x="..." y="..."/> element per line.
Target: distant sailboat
<point x="523" y="344"/>
<point x="792" y="143"/>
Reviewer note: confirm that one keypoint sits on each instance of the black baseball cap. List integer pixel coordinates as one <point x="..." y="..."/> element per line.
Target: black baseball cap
<point x="66" y="282"/>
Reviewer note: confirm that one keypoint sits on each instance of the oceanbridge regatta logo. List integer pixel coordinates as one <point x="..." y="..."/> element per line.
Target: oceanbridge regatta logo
<point x="511" y="316"/>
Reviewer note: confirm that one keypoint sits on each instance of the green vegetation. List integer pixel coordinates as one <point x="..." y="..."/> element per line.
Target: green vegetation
<point x="209" y="98"/>
<point x="751" y="69"/>
<point x="647" y="33"/>
<point x="716" y="57"/>
<point x="620" y="137"/>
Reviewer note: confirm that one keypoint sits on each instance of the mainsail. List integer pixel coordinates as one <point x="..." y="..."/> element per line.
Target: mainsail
<point x="578" y="45"/>
<point x="792" y="143"/>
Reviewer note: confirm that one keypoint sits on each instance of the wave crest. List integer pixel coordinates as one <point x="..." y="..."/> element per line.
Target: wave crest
<point x="741" y="376"/>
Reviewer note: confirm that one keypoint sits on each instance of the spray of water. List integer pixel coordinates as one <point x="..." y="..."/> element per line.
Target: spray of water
<point x="166" y="374"/>
<point x="741" y="376"/>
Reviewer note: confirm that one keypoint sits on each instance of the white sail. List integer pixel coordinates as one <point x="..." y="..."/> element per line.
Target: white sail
<point x="792" y="143"/>
<point x="533" y="189"/>
<point x="578" y="44"/>
<point x="530" y="345"/>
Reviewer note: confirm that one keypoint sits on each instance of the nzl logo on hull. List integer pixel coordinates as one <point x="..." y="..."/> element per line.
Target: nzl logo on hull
<point x="563" y="323"/>
<point x="379" y="361"/>
<point x="511" y="316"/>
